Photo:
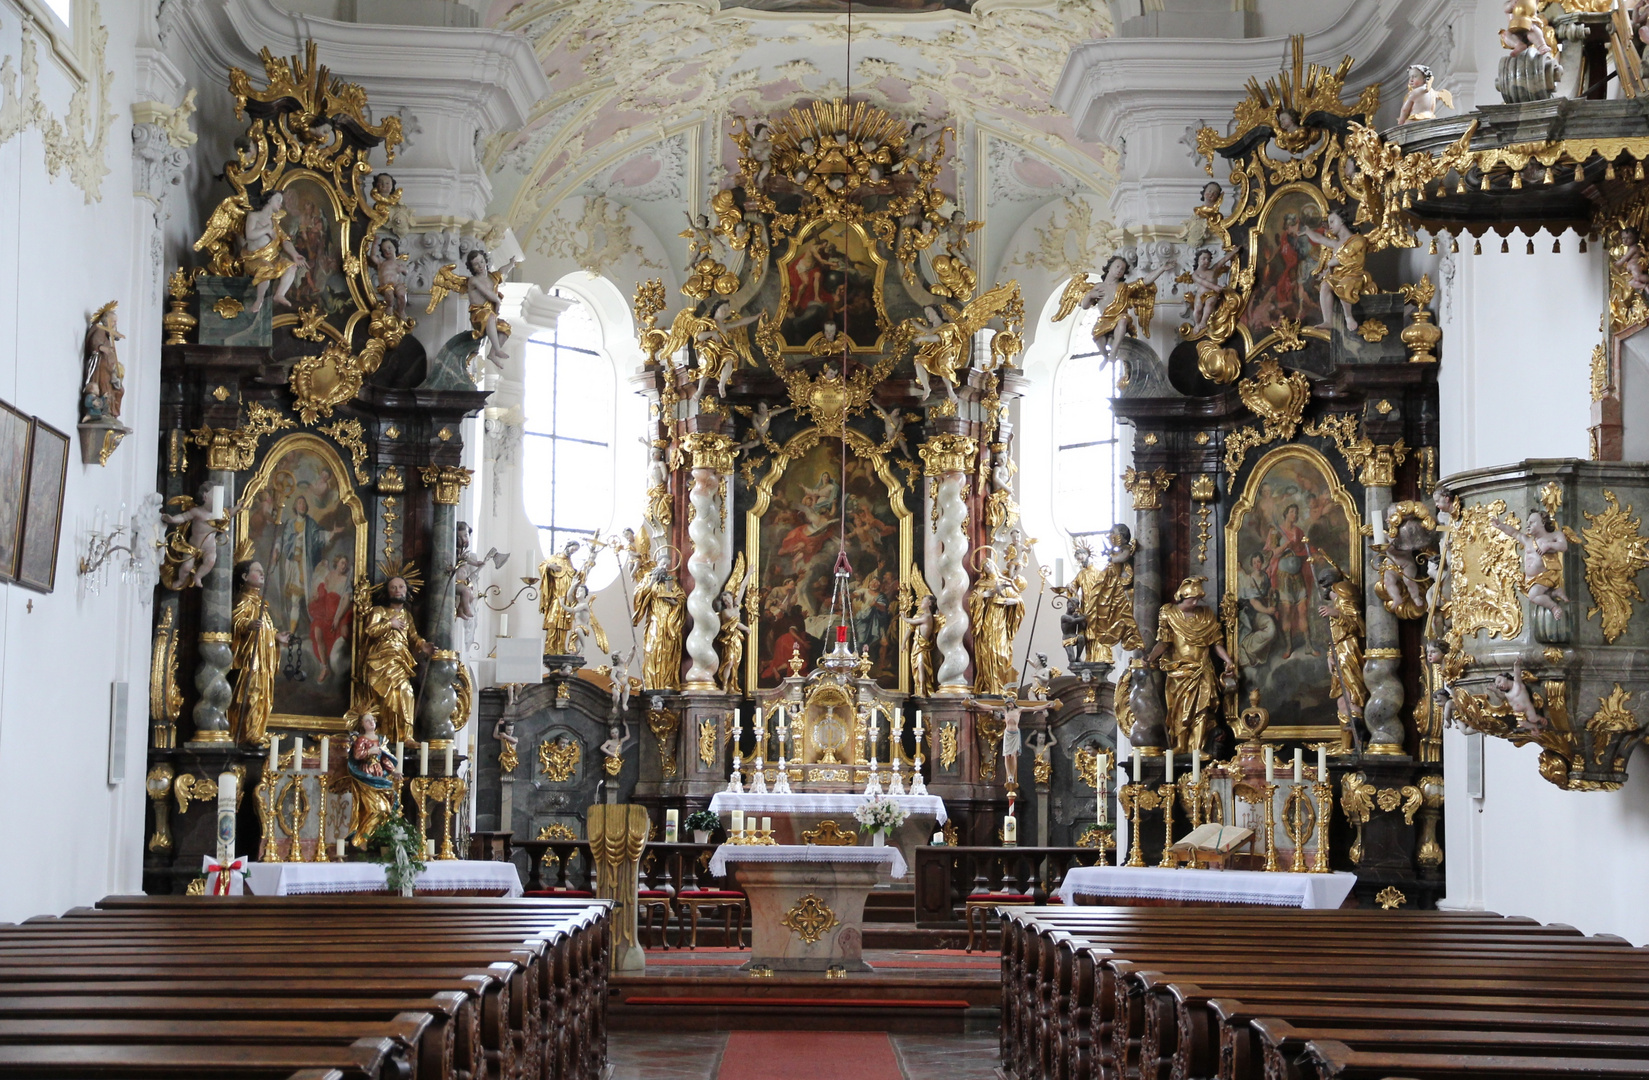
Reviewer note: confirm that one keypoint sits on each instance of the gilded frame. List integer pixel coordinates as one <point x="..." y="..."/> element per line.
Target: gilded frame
<point x="347" y="496"/>
<point x="345" y="218"/>
<point x="1254" y="347"/>
<point x="793" y="251"/>
<point x="800" y="443"/>
<point x="1233" y="528"/>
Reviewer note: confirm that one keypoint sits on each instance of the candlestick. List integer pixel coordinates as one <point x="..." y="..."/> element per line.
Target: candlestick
<point x="423" y="758"/>
<point x="1166" y="794"/>
<point x="1270" y="766"/>
<point x="1299" y="764"/>
<point x="326" y="749"/>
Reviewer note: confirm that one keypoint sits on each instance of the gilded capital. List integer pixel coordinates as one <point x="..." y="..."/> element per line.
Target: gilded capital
<point x="943" y="454"/>
<point x="1147" y="488"/>
<point x="448" y="481"/>
<point x="1379" y="468"/>
<point x="710" y="450"/>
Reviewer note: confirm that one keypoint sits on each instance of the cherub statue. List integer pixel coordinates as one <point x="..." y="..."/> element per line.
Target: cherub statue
<point x="1041" y="676"/>
<point x="464" y="570"/>
<point x="761" y="423"/>
<point x="1001" y="511"/>
<point x="104" y="385"/>
<point x="1421" y="102"/>
<point x="192" y="546"/>
<point x="1632" y="263"/>
<point x="1543" y="547"/>
<point x="1525" y="29"/>
<point x="1442" y="698"/>
<point x="390" y="266"/>
<point x="946" y="343"/>
<point x="485" y="300"/>
<point x="577" y="602"/>
<point x="893" y="428"/>
<point x="722" y="344"/>
<point x="1126" y="307"/>
<point x="919" y="625"/>
<point x="1402" y="583"/>
<point x="1511" y="686"/>
<point x="267" y="254"/>
<point x="621" y="680"/>
<point x="701" y="239"/>
<point x="1205" y="275"/>
<point x="1344" y="277"/>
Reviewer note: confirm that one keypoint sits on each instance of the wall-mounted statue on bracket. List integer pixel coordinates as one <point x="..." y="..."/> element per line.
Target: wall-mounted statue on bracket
<point x="481" y="289"/>
<point x="102" y="388"/>
<point x="1422" y="99"/>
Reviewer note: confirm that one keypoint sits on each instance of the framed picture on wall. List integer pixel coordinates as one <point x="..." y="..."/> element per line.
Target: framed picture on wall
<point x="15" y="431"/>
<point x="43" y="507"/>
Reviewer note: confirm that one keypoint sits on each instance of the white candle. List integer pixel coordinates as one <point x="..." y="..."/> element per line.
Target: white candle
<point x="429" y="847"/>
<point x="1010" y="830"/>
<point x="340" y="847"/>
<point x="1322" y="764"/>
<point x="297" y="752"/>
<point x="400" y="750"/>
<point x="672" y="825"/>
<point x="938" y="839"/>
<point x="738" y="821"/>
<point x="423" y="758"/>
<point x="759" y="728"/>
<point x="1136" y="764"/>
<point x="1379" y="523"/>
<point x="326" y="751"/>
<point x="1299" y="764"/>
<point x="1168" y="766"/>
<point x="918" y="723"/>
<point x="1101" y="796"/>
<point x="449" y="761"/>
<point x="1196" y="766"/>
<point x="1270" y="766"/>
<point x="1059" y="573"/>
<point x="274" y="752"/>
<point x="217" y="500"/>
<point x="767" y="824"/>
<point x="504" y="625"/>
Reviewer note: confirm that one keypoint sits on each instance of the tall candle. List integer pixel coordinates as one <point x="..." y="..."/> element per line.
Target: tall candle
<point x="217" y="500"/>
<point x="341" y="847"/>
<point x="429" y="847"/>
<point x="1270" y="765"/>
<point x="672" y="825"/>
<point x="1379" y="524"/>
<point x="1196" y="766"/>
<point x="449" y="760"/>
<point x="297" y="752"/>
<point x="400" y="751"/>
<point x="326" y="750"/>
<point x="226" y="817"/>
<point x="1322" y="764"/>
<point x="1136" y="764"/>
<point x="1102" y="796"/>
<point x="423" y="759"/>
<point x="274" y="752"/>
<point x="1299" y="764"/>
<point x="1168" y="766"/>
<point x="918" y="723"/>
<point x="1010" y="830"/>
<point x="504" y="625"/>
<point x="1059" y="573"/>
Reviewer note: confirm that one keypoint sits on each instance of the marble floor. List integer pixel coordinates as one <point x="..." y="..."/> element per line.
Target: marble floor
<point x="679" y="1056"/>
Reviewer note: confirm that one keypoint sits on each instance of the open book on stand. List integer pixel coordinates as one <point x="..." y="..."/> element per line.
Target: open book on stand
<point x="1215" y="846"/>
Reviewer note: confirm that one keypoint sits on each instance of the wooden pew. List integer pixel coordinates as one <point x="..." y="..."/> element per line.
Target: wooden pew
<point x="1332" y="1060"/>
<point x="364" y="1059"/>
<point x="1285" y="1045"/>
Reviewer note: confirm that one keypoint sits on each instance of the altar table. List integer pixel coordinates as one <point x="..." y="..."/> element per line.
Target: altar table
<point x="452" y="877"/>
<point x="802" y="812"/>
<point x="807" y="904"/>
<point x="1187" y="886"/>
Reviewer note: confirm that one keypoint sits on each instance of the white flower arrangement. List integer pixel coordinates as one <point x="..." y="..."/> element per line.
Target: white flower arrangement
<point x="879" y="815"/>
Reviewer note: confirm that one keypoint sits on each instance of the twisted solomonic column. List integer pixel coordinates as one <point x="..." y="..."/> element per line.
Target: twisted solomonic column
<point x="946" y="458"/>
<point x="712" y="462"/>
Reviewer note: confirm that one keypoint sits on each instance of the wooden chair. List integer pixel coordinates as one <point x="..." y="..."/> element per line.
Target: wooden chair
<point x="649" y="901"/>
<point x="983" y="904"/>
<point x="731" y="905"/>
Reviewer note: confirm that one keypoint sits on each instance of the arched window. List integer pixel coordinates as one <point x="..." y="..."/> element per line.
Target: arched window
<point x="568" y="431"/>
<point x="1088" y="456"/>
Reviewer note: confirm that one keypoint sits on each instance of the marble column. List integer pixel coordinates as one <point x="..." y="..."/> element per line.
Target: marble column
<point x="712" y="468"/>
<point x="1145" y="697"/>
<point x="217" y="602"/>
<point x="945" y="458"/>
<point x="440" y="694"/>
<point x="1381" y="656"/>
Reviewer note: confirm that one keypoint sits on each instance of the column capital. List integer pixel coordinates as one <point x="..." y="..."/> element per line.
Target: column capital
<point x="710" y="450"/>
<point x="1147" y="487"/>
<point x="448" y="481"/>
<point x="947" y="453"/>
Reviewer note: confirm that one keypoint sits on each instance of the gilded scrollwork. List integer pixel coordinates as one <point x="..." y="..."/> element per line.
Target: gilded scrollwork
<point x="557" y="758"/>
<point x="1615" y="553"/>
<point x="1486" y="575"/>
<point x="1279" y="399"/>
<point x="665" y="724"/>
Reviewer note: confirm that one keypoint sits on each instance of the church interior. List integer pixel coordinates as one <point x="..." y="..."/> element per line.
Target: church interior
<point x="654" y="539"/>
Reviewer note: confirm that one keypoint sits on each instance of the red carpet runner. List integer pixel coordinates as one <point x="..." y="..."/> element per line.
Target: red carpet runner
<point x="808" y="1055"/>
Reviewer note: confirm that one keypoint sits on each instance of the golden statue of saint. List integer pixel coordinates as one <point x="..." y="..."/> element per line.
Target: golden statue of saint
<point x="256" y="656"/>
<point x="558" y="600"/>
<point x="1191" y="629"/>
<point x="1345" y="630"/>
<point x="391" y="640"/>
<point x="1106" y="597"/>
<point x="662" y="605"/>
<point x="995" y="609"/>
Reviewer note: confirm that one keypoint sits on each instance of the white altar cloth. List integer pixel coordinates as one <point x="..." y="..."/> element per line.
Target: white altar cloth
<point x="297" y="879"/>
<point x="805" y="853"/>
<point x="802" y="802"/>
<point x="1209" y="886"/>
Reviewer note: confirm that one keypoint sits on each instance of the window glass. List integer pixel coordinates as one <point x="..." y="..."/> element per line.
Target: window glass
<point x="1086" y="469"/>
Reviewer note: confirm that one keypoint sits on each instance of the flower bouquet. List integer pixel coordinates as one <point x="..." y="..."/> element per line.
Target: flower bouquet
<point x="879" y="816"/>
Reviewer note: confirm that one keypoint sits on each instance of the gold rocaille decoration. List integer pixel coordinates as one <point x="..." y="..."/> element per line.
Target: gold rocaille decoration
<point x="665" y="724"/>
<point x="710" y="451"/>
<point x="1390" y="898"/>
<point x="1372" y="330"/>
<point x="943" y="454"/>
<point x="1599" y="373"/>
<point x="1086" y="762"/>
<point x="1146" y="488"/>
<point x="810" y="919"/>
<point x="1615" y="553"/>
<point x="348" y="434"/>
<point x="228" y="307"/>
<point x="1279" y="399"/>
<point x="1611" y="719"/>
<point x="508" y="758"/>
<point x="947" y="745"/>
<point x="612" y="764"/>
<point x="556" y="760"/>
<point x="191" y="788"/>
<point x="707" y="742"/>
<point x="1375" y="465"/>
<point x="1486" y="568"/>
<point x="556" y="831"/>
<point x="447" y="481"/>
<point x="830" y="834"/>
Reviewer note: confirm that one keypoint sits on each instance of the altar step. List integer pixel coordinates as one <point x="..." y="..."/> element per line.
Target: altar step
<point x="909" y="991"/>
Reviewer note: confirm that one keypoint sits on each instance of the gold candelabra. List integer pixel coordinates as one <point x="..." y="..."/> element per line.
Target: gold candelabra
<point x="448" y="791"/>
<point x="1270" y="827"/>
<point x="320" y="828"/>
<point x="1165" y="795"/>
<point x="1299" y="820"/>
<point x="751" y="837"/>
<point x="1324" y="793"/>
<point x="1131" y="796"/>
<point x="264" y="796"/>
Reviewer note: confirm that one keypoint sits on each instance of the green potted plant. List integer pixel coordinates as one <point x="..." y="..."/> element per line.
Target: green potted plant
<point x="399" y="848"/>
<point x="702" y="823"/>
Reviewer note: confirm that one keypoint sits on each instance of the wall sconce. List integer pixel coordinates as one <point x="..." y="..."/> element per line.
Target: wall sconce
<point x="132" y="548"/>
